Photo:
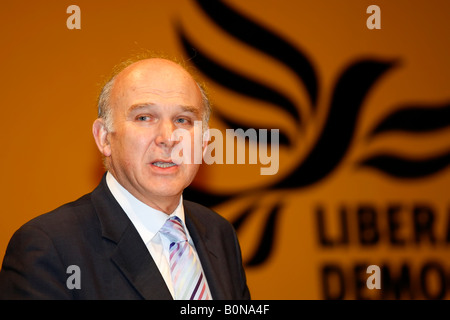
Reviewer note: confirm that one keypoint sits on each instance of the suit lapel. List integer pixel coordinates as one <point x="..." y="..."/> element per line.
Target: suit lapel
<point x="130" y="254"/>
<point x="132" y="258"/>
<point x="205" y="251"/>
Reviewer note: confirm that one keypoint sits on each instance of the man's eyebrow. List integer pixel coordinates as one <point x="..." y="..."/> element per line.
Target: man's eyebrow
<point x="191" y="109"/>
<point x="138" y="106"/>
<point x="184" y="108"/>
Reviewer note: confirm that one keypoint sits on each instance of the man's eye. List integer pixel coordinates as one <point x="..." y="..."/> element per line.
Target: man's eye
<point x="182" y="121"/>
<point x="143" y="118"/>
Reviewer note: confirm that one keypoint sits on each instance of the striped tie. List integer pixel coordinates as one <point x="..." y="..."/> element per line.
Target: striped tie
<point x="187" y="275"/>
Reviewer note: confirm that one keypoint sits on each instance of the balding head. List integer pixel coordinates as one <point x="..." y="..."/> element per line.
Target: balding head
<point x="130" y="70"/>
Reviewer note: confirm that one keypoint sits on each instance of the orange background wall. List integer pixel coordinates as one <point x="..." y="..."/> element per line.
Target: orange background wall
<point x="50" y="78"/>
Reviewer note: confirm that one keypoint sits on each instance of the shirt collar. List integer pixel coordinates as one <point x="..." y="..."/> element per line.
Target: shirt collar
<point x="147" y="220"/>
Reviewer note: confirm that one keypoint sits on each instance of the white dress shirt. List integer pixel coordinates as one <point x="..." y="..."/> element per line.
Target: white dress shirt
<point x="148" y="221"/>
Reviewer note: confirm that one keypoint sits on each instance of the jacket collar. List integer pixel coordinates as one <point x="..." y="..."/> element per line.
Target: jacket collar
<point x="130" y="254"/>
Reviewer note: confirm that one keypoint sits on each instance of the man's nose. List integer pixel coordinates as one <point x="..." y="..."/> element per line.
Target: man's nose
<point x="164" y="134"/>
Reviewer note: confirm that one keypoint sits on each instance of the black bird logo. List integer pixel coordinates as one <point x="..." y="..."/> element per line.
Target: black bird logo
<point x="332" y="143"/>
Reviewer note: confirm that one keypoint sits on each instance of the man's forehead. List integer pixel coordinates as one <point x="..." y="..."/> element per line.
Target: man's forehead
<point x="155" y="73"/>
<point x="161" y="78"/>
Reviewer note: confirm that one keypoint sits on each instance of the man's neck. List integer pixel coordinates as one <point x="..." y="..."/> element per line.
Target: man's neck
<point x="166" y="204"/>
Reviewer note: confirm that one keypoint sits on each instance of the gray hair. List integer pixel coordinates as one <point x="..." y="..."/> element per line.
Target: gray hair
<point x="104" y="99"/>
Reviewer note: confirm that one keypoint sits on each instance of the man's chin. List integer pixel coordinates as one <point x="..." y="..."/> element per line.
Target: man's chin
<point x="165" y="190"/>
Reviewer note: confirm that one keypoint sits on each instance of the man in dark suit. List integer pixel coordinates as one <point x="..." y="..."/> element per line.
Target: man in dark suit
<point x="110" y="243"/>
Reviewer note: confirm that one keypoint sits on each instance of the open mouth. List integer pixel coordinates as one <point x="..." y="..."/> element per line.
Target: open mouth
<point x="161" y="164"/>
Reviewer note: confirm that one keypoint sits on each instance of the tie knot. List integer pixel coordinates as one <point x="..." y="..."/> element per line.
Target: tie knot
<point x="173" y="229"/>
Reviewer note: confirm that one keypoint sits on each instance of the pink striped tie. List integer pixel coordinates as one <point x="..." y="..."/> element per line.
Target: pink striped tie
<point x="187" y="275"/>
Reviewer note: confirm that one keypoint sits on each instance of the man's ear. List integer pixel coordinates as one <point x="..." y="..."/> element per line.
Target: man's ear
<point x="101" y="137"/>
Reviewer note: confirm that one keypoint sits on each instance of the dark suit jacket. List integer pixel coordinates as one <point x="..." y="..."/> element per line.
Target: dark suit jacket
<point x="95" y="234"/>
